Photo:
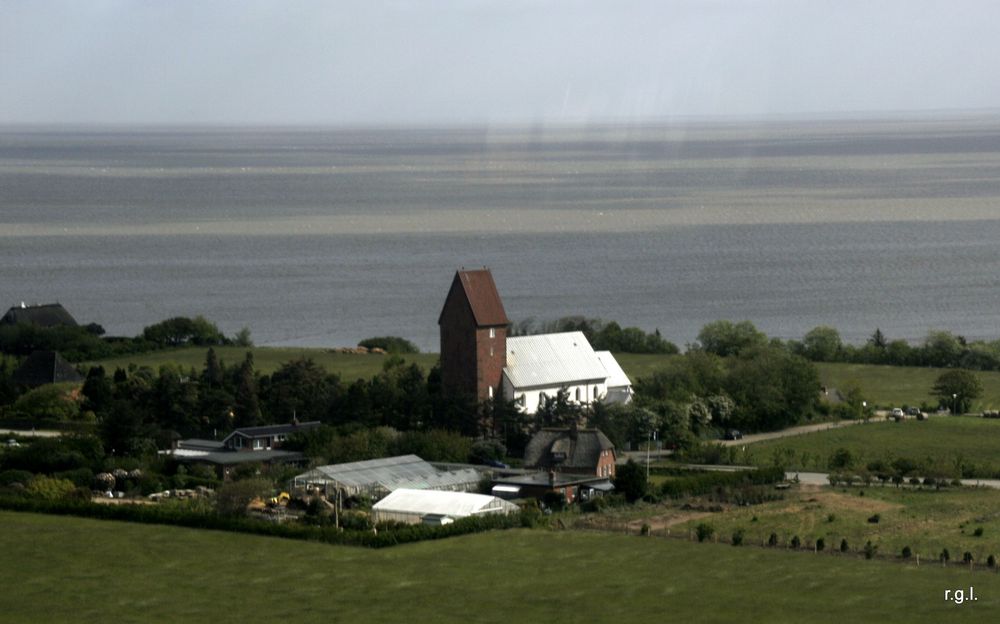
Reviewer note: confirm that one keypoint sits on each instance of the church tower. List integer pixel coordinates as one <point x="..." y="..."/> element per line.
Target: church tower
<point x="473" y="336"/>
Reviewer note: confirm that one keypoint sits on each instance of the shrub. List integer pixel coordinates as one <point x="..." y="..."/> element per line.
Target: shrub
<point x="978" y="532"/>
<point x="944" y="556"/>
<point x="391" y="344"/>
<point x="967" y="557"/>
<point x="796" y="542"/>
<point x="991" y="561"/>
<point x="738" y="537"/>
<point x="706" y="482"/>
<point x="8" y="477"/>
<point x="874" y="519"/>
<point x="907" y="553"/>
<point x="704" y="531"/>
<point x="831" y="517"/>
<point x="843" y="545"/>
<point x="820" y="544"/>
<point x="50" y="488"/>
<point x="645" y="529"/>
<point x="870" y="549"/>
<point x="772" y="540"/>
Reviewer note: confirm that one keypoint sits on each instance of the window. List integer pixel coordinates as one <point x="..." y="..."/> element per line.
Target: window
<point x="491" y="387"/>
<point x="522" y="400"/>
<point x="577" y="395"/>
<point x="491" y="350"/>
<point x="595" y="392"/>
<point x="258" y="444"/>
<point x="493" y="334"/>
<point x="238" y="442"/>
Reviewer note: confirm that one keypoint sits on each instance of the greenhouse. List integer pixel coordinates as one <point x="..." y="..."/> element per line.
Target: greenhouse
<point x="377" y="477"/>
<point x="432" y="507"/>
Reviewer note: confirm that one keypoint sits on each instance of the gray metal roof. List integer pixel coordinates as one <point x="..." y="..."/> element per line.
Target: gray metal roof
<point x="391" y="473"/>
<point x="549" y="360"/>
<point x="616" y="376"/>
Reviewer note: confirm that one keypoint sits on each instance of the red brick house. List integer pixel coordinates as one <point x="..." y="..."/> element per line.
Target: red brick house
<point x="571" y="450"/>
<point x="473" y="336"/>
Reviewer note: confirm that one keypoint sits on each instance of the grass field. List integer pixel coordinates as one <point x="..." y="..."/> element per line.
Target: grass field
<point x="945" y="442"/>
<point x="76" y="570"/>
<point x="899" y="385"/>
<point x="925" y="520"/>
<point x="269" y="359"/>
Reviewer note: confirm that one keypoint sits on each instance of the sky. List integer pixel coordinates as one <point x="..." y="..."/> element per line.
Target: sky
<point x="475" y="61"/>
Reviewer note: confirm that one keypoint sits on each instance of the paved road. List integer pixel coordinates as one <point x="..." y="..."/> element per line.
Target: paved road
<point x="794" y="431"/>
<point x="36" y="433"/>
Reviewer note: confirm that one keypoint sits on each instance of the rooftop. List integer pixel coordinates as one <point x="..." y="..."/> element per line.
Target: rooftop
<point x="42" y="315"/>
<point x="481" y="292"/>
<point x="552" y="359"/>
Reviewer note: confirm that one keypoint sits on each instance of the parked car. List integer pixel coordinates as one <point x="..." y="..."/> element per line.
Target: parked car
<point x="897" y="413"/>
<point x="733" y="434"/>
<point x="913" y="411"/>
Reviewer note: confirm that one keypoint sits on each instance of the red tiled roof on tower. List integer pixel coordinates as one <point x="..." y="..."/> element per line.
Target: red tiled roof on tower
<point x="481" y="293"/>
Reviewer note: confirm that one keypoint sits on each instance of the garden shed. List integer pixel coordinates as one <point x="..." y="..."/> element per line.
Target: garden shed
<point x="432" y="506"/>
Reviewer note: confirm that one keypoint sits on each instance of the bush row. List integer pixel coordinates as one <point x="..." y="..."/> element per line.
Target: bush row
<point x="709" y="481"/>
<point x="155" y="514"/>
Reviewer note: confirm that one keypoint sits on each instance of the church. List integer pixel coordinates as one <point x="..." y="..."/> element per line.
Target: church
<point x="479" y="360"/>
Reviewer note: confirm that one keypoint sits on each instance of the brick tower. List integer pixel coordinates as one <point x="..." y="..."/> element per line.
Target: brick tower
<point x="473" y="336"/>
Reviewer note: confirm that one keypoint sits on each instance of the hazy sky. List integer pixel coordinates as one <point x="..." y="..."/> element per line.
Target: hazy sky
<point x="459" y="61"/>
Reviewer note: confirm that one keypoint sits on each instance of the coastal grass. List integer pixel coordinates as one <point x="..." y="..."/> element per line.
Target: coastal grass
<point x="349" y="366"/>
<point x="63" y="569"/>
<point x="945" y="445"/>
<point x="925" y="519"/>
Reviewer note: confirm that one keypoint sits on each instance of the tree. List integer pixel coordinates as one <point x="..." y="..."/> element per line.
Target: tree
<point x="822" y="344"/>
<point x="957" y="389"/>
<point x="942" y="349"/>
<point x="878" y="339"/>
<point x="181" y="330"/>
<point x="630" y="480"/>
<point x="214" y="372"/>
<point x="771" y="388"/>
<point x="247" y="404"/>
<point x="725" y="338"/>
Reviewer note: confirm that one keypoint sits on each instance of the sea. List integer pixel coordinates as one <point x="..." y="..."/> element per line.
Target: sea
<point x="321" y="237"/>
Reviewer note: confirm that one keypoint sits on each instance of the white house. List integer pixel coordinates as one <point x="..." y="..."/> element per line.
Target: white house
<point x="540" y="366"/>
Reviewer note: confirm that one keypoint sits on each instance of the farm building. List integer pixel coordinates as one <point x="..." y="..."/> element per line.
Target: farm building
<point x="377" y="477"/>
<point x="434" y="507"/>
<point x="39" y="315"/>
<point x="45" y="367"/>
<point x="478" y="360"/>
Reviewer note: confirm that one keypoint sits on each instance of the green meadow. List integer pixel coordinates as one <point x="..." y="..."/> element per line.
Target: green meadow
<point x="61" y="569"/>
<point x="349" y="366"/>
<point x="943" y="443"/>
<point x="901" y="385"/>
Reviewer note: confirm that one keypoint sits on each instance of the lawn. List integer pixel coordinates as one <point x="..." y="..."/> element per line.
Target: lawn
<point x="268" y="359"/>
<point x="943" y="443"/>
<point x="926" y="520"/>
<point x="79" y="570"/>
